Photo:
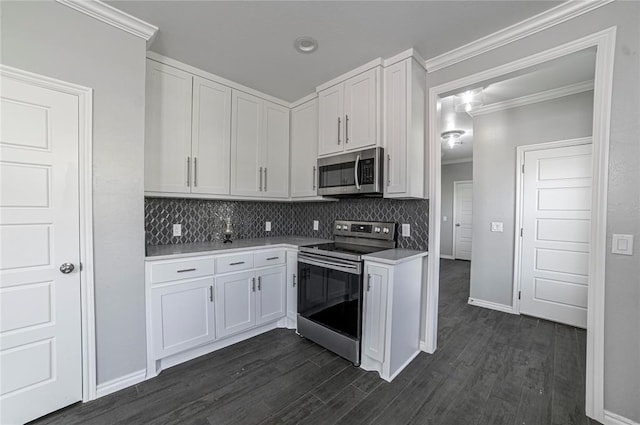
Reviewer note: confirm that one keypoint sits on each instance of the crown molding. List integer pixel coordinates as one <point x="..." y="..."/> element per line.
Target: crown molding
<point x="533" y="98"/>
<point x="114" y="17"/>
<point x="522" y="29"/>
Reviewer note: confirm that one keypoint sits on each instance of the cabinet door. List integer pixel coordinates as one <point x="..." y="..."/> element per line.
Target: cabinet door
<point x="330" y="120"/>
<point x="167" y="148"/>
<point x="246" y="134"/>
<point x="211" y="137"/>
<point x="182" y="316"/>
<point x="275" y="151"/>
<point x="271" y="295"/>
<point x="395" y="127"/>
<point x="292" y="288"/>
<point x="235" y="303"/>
<point x="375" y="312"/>
<point x="304" y="149"/>
<point x="361" y="105"/>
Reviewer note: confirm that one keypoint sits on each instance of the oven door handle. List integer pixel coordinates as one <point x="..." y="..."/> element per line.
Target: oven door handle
<point x="333" y="265"/>
<point x="355" y="170"/>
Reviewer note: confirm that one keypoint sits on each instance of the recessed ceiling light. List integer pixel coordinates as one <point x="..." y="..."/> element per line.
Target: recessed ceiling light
<point x="305" y="44"/>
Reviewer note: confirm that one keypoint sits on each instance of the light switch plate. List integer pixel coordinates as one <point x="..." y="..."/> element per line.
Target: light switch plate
<point x="267" y="226"/>
<point x="622" y="244"/>
<point x="316" y="225"/>
<point x="497" y="226"/>
<point x="177" y="230"/>
<point x="406" y="230"/>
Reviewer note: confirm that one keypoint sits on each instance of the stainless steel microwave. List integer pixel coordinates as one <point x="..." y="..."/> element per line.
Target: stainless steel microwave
<point x="352" y="174"/>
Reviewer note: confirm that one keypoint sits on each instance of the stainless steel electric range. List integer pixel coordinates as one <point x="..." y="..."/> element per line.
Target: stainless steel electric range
<point x="330" y="285"/>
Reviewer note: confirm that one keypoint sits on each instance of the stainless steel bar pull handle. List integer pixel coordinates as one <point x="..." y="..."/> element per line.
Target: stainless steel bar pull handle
<point x="195" y="172"/>
<point x="368" y="282"/>
<point x="259" y="284"/>
<point x="346" y="128"/>
<point x="211" y="293"/>
<point x="186" y="270"/>
<point x="236" y="263"/>
<point x="314" y="177"/>
<point x="339" y="122"/>
<point x="188" y="171"/>
<point x="253" y="284"/>
<point x="260" y="179"/>
<point x="272" y="258"/>
<point x="356" y="172"/>
<point x="265" y="179"/>
<point x="294" y="280"/>
<point x="388" y="170"/>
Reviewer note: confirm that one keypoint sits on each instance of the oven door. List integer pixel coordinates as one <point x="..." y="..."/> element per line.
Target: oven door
<point x="330" y="293"/>
<point x="351" y="173"/>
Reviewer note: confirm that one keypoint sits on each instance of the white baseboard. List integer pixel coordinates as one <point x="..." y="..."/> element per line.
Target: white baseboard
<point x="613" y="419"/>
<point x="120" y="383"/>
<point x="447" y="257"/>
<point x="423" y="347"/>
<point x="491" y="305"/>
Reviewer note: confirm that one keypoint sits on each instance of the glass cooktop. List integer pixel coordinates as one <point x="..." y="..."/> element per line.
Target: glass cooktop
<point x="344" y="248"/>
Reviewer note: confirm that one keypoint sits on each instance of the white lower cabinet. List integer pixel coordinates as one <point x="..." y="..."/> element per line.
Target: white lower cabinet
<point x="292" y="289"/>
<point x="236" y="303"/>
<point x="183" y="316"/>
<point x="391" y="325"/>
<point x="271" y="297"/>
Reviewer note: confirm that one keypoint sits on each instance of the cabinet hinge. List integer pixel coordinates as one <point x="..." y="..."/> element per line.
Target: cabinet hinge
<point x="522" y="168"/>
<point x="521" y="232"/>
<point x="519" y="294"/>
<point x="80" y="266"/>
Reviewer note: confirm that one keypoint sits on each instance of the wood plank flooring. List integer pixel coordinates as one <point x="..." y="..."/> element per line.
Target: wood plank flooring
<point x="490" y="368"/>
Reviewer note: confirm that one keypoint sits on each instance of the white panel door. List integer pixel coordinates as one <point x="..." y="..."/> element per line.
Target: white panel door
<point x="246" y="136"/>
<point x="304" y="149"/>
<point x="275" y="151"/>
<point x="40" y="348"/>
<point x="271" y="295"/>
<point x="330" y="120"/>
<point x="211" y="137"/>
<point x="167" y="146"/>
<point x="235" y="303"/>
<point x="375" y="312"/>
<point x="556" y="216"/>
<point x="183" y="316"/>
<point x="360" y="104"/>
<point x="395" y="127"/>
<point x="462" y="219"/>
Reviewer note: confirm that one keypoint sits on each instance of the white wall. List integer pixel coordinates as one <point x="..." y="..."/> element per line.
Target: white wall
<point x="496" y="137"/>
<point x="53" y="40"/>
<point x="622" y="309"/>
<point x="450" y="173"/>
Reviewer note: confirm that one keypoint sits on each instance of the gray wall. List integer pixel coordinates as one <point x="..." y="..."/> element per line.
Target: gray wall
<point x="51" y="39"/>
<point x="494" y="176"/>
<point x="622" y="309"/>
<point x="450" y="173"/>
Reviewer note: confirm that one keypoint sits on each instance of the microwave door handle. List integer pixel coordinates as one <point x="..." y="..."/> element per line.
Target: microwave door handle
<point x="355" y="170"/>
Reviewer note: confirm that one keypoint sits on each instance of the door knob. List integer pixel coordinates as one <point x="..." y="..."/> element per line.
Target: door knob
<point x="67" y="268"/>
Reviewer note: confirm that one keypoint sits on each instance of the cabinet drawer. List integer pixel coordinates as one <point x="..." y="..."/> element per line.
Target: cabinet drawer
<point x="181" y="269"/>
<point x="270" y="258"/>
<point x="232" y="263"/>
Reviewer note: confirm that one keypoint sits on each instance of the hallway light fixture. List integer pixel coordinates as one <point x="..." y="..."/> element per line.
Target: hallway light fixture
<point x="465" y="102"/>
<point x="305" y="44"/>
<point x="452" y="138"/>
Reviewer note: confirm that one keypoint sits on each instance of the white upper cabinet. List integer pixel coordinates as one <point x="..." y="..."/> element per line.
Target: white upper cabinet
<point x="246" y="135"/>
<point x="275" y="151"/>
<point x="259" y="147"/>
<point x="304" y="149"/>
<point x="211" y="137"/>
<point x="349" y="114"/>
<point x="168" y="129"/>
<point x="404" y="130"/>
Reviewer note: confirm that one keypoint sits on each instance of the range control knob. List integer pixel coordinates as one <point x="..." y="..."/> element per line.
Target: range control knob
<point x="345" y="227"/>
<point x="376" y="229"/>
<point x="338" y="227"/>
<point x="385" y="230"/>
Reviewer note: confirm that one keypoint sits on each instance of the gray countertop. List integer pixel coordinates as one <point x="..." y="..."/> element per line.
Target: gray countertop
<point x="394" y="256"/>
<point x="162" y="252"/>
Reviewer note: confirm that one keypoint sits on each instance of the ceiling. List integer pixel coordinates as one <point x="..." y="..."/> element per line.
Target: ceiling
<point x="251" y="42"/>
<point x="571" y="69"/>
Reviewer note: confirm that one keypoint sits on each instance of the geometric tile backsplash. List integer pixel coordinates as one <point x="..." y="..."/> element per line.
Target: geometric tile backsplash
<point x="204" y="220"/>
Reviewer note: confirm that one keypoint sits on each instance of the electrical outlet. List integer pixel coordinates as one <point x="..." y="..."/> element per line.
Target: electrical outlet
<point x="622" y="244"/>
<point x="497" y="226"/>
<point x="267" y="226"/>
<point x="406" y="230"/>
<point x="316" y="225"/>
<point x="177" y="230"/>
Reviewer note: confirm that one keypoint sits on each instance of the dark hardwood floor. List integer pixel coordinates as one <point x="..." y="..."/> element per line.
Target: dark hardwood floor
<point x="490" y="368"/>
